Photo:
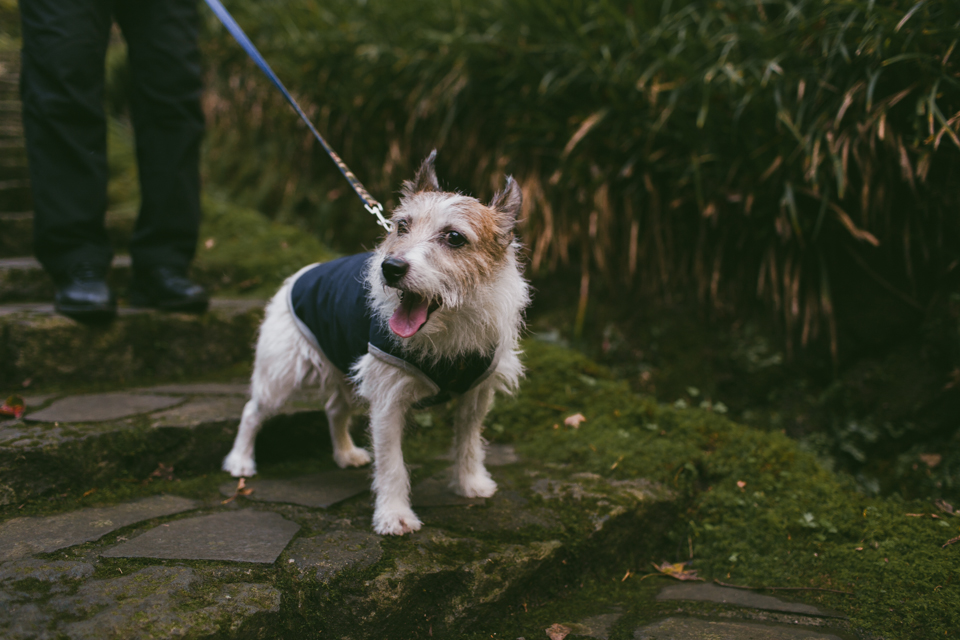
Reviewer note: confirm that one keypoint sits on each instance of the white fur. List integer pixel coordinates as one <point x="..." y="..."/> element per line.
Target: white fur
<point x="481" y="317"/>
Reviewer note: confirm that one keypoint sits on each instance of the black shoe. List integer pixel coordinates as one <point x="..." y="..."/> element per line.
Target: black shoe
<point x="168" y="289"/>
<point x="83" y="294"/>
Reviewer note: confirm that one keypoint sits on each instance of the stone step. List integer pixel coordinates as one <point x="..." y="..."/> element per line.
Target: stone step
<point x="41" y="347"/>
<point x="13" y="164"/>
<point x="16" y="237"/>
<point x="22" y="279"/>
<point x="66" y="440"/>
<point x="286" y="567"/>
<point x="15" y="195"/>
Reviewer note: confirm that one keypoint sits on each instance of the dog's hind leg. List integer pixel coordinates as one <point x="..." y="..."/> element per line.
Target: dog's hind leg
<point x="284" y="359"/>
<point x="470" y="478"/>
<point x="345" y="452"/>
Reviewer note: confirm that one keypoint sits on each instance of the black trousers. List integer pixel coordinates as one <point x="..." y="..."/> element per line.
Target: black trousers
<point x="62" y="84"/>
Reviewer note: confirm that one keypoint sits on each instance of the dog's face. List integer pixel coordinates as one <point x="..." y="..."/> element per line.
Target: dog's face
<point x="445" y="250"/>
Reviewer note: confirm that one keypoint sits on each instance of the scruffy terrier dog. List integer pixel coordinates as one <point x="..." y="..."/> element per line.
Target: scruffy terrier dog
<point x="434" y="312"/>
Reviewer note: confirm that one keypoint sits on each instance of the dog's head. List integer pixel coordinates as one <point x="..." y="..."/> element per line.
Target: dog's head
<point x="447" y="255"/>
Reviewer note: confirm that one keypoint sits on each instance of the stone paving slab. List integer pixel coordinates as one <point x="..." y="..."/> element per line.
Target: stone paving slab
<point x="101" y="407"/>
<point x="434" y="492"/>
<point x="320" y="490"/>
<point x="24" y="536"/>
<point x="698" y="629"/>
<point x="239" y="536"/>
<point x="199" y="411"/>
<point x="200" y="389"/>
<point x="707" y="592"/>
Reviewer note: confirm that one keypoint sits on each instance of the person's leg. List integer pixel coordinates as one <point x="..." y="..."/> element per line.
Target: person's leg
<point x="165" y="95"/>
<point x="168" y="123"/>
<point x="64" y="44"/>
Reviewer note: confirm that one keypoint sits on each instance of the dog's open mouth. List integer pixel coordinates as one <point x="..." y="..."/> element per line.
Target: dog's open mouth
<point x="413" y="313"/>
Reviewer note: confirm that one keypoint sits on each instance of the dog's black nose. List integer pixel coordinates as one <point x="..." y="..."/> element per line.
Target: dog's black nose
<point x="394" y="269"/>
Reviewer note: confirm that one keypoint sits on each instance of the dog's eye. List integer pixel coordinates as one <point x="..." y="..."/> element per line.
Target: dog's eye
<point x="456" y="239"/>
<point x="402" y="227"/>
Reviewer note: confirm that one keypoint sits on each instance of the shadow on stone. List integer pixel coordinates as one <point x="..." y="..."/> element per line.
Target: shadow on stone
<point x="319" y="491"/>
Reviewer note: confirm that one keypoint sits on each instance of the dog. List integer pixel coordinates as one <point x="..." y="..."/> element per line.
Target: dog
<point x="433" y="313"/>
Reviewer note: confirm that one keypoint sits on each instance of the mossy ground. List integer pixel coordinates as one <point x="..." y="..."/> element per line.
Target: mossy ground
<point x="755" y="508"/>
<point x="790" y="523"/>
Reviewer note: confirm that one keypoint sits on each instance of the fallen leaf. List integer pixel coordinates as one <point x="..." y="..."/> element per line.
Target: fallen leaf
<point x="557" y="632"/>
<point x="162" y="472"/>
<point x="950" y="542"/>
<point x="210" y="243"/>
<point x="90" y="492"/>
<point x="676" y="570"/>
<point x="944" y="506"/>
<point x="574" y="420"/>
<point x="241" y="490"/>
<point x="741" y="484"/>
<point x="931" y="459"/>
<point x="14" y="406"/>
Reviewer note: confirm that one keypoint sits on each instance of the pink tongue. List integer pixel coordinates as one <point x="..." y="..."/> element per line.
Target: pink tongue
<point x="410" y="315"/>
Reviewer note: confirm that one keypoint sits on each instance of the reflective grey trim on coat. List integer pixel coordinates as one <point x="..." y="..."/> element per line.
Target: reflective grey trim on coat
<point x="402" y="364"/>
<point x="304" y="329"/>
<point x="490" y="370"/>
<point x="413" y="370"/>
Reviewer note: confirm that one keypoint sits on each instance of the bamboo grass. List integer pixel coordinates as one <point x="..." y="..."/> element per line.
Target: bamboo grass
<point x="727" y="146"/>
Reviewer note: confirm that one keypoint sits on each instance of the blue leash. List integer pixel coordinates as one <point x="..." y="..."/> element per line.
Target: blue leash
<point x="369" y="202"/>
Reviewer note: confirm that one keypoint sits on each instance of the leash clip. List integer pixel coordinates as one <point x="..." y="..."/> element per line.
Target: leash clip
<point x="377" y="210"/>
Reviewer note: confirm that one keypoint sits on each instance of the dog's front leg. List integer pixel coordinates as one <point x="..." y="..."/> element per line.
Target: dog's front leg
<point x="470" y="478"/>
<point x="390" y="393"/>
<point x="391" y="482"/>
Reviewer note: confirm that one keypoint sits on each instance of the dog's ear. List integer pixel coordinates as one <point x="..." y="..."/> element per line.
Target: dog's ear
<point x="508" y="204"/>
<point x="426" y="178"/>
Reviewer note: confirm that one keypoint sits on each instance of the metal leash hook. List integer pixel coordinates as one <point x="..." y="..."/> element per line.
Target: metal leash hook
<point x="377" y="210"/>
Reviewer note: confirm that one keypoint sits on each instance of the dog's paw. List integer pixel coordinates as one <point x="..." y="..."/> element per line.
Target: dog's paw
<point x="239" y="466"/>
<point x="479" y="485"/>
<point x="395" y="522"/>
<point x="355" y="457"/>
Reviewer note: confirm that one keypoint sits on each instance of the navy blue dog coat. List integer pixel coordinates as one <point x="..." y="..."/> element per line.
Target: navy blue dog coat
<point x="329" y="304"/>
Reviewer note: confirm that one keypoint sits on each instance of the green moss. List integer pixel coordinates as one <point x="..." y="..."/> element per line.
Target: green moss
<point x="792" y="523"/>
<point x="242" y="252"/>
